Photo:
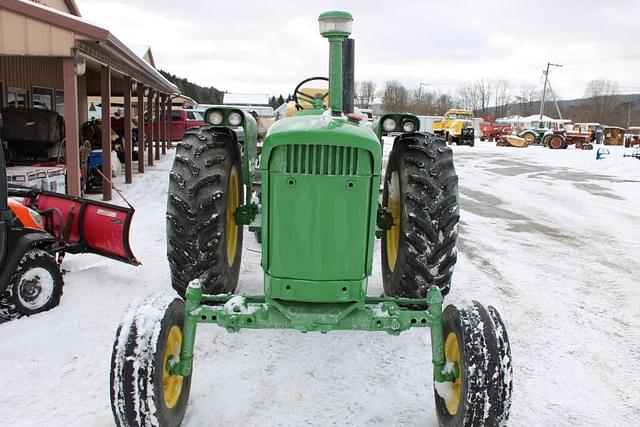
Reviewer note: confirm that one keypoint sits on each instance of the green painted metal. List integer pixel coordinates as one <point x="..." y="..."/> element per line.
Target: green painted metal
<point x="245" y="214"/>
<point x="335" y="74"/>
<point x="399" y="118"/>
<point x="320" y="179"/>
<point x="374" y="314"/>
<point x="250" y="144"/>
<point x="336" y="36"/>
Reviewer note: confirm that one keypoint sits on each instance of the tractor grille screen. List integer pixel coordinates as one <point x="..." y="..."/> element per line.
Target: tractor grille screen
<point x="324" y="160"/>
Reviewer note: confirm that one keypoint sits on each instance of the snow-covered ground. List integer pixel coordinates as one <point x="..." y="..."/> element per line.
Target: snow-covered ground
<point x="549" y="237"/>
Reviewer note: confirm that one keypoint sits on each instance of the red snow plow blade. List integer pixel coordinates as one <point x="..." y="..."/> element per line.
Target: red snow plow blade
<point x="83" y="225"/>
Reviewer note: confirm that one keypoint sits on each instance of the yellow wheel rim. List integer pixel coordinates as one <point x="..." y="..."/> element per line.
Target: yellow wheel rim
<point x="529" y="138"/>
<point x="232" y="228"/>
<point x="393" y="234"/>
<point x="171" y="384"/>
<point x="452" y="354"/>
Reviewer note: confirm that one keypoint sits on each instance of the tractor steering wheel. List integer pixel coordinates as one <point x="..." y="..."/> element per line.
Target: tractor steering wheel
<point x="305" y="96"/>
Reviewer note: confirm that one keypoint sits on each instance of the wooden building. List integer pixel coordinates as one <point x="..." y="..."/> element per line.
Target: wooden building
<point x="52" y="58"/>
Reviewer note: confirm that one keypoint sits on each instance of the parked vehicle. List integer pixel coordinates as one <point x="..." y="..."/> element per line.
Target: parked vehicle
<point x="596" y="129"/>
<point x="182" y="119"/>
<point x="456" y="126"/>
<point x="570" y="134"/>
<point x="614" y="135"/>
<point x="37" y="228"/>
<point x="492" y="131"/>
<point x="320" y="215"/>
<point x="632" y="136"/>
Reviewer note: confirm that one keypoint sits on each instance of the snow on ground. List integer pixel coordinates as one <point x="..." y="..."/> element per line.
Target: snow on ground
<point x="548" y="237"/>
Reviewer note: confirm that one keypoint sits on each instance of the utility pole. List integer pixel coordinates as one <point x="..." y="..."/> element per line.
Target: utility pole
<point x="420" y="90"/>
<point x="544" y="90"/>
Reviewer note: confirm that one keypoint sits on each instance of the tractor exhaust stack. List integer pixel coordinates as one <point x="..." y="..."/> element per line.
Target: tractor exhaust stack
<point x="348" y="82"/>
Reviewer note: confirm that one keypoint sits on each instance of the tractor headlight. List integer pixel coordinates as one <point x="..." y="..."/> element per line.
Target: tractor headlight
<point x="235" y="118"/>
<point x="408" y="126"/>
<point x="215" y="117"/>
<point x="389" y="125"/>
<point x="36" y="217"/>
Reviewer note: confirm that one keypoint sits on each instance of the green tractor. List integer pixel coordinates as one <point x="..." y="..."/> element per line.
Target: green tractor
<point x="319" y="217"/>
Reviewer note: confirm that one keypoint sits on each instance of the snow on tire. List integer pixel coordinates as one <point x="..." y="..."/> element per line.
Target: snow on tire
<point x="471" y="344"/>
<point x="203" y="242"/>
<point x="138" y="370"/>
<point x="34" y="287"/>
<point x="504" y="374"/>
<point x="421" y="193"/>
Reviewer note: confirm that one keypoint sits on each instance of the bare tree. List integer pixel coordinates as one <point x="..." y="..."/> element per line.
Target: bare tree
<point x="529" y="99"/>
<point x="444" y="102"/>
<point x="484" y="90"/>
<point x="467" y="95"/>
<point x="602" y="103"/>
<point x="366" y="91"/>
<point x="503" y="97"/>
<point x="395" y="96"/>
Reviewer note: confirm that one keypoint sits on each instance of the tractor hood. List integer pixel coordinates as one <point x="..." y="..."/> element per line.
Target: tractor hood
<point x="311" y="128"/>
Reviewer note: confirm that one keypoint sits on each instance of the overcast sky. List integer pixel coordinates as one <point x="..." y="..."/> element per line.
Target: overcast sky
<point x="269" y="46"/>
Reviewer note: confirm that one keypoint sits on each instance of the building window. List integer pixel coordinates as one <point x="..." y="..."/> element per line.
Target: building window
<point x="16" y="98"/>
<point x="59" y="95"/>
<point x="42" y="98"/>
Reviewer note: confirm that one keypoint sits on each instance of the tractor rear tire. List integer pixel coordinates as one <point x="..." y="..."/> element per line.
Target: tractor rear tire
<point x="34" y="287"/>
<point x="481" y="394"/>
<point x="143" y="393"/>
<point x="421" y="193"/>
<point x="556" y="142"/>
<point x="205" y="188"/>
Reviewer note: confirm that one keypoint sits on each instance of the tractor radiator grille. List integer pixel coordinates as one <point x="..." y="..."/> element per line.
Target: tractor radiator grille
<point x="322" y="160"/>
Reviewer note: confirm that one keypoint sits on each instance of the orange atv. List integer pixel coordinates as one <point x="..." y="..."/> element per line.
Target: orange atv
<point x="37" y="228"/>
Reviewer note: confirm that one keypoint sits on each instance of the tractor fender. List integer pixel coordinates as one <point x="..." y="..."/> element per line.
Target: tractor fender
<point x="23" y="244"/>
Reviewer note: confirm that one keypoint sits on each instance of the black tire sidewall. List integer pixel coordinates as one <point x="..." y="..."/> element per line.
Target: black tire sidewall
<point x="392" y="278"/>
<point x="233" y="270"/>
<point x="35" y="258"/>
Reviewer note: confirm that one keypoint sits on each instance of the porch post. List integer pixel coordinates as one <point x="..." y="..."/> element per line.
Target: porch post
<point x="71" y="126"/>
<point x="105" y="92"/>
<point x="151" y="127"/>
<point x="163" y="124"/>
<point x="169" y="125"/>
<point x="128" y="148"/>
<point x="156" y="128"/>
<point x="140" y="127"/>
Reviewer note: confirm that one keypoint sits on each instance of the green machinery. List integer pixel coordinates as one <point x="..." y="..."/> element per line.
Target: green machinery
<point x="319" y="217"/>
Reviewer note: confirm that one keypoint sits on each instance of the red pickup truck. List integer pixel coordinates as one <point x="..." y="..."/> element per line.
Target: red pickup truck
<point x="181" y="120"/>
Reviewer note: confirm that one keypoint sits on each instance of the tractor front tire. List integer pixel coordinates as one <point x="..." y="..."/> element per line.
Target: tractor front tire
<point x="475" y="341"/>
<point x="34" y="287"/>
<point x="529" y="137"/>
<point x="421" y="193"/>
<point x="205" y="189"/>
<point x="143" y="392"/>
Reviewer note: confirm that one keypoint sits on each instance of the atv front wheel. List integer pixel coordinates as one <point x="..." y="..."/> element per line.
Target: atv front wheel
<point x="148" y="341"/>
<point x="477" y="348"/>
<point x="34" y="287"/>
<point x="421" y="193"/>
<point x="205" y="189"/>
